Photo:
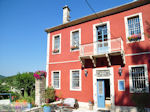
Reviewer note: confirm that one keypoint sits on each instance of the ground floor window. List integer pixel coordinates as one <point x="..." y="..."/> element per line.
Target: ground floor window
<point x="139" y="79"/>
<point x="56" y="79"/>
<point x="75" y="79"/>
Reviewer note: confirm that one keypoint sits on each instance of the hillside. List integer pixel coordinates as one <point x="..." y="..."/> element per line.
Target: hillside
<point x="1" y="76"/>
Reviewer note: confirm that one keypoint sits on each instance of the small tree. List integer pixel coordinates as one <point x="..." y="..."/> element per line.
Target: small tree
<point x="25" y="81"/>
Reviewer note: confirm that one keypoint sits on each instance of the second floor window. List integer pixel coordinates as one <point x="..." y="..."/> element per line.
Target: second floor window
<point x="134" y="28"/>
<point x="56" y="44"/>
<point x="102" y="33"/>
<point x="75" y="40"/>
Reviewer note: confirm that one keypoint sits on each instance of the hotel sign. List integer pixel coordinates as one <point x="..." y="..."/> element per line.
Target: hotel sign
<point x="103" y="73"/>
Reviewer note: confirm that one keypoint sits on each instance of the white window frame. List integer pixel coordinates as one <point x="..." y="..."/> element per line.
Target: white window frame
<point x="146" y="78"/>
<point x="52" y="76"/>
<point x="79" y="29"/>
<point x="118" y="85"/>
<point x="72" y="89"/>
<point x="141" y="26"/>
<point x="95" y="34"/>
<point x="53" y="44"/>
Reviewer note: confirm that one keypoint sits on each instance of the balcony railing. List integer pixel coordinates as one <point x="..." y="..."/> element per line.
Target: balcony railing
<point x="99" y="48"/>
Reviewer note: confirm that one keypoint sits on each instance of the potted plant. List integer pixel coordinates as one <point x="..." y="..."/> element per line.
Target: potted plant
<point x="56" y="50"/>
<point x="40" y="74"/>
<point x="91" y="103"/>
<point x="49" y="94"/>
<point x="46" y="107"/>
<point x="29" y="102"/>
<point x="134" y="37"/>
<point x="74" y="47"/>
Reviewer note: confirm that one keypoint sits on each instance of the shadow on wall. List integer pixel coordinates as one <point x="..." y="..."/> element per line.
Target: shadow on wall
<point x="136" y="99"/>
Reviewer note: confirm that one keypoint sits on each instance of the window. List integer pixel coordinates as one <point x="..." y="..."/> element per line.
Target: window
<point x="121" y="85"/>
<point x="134" y="28"/>
<point x="138" y="79"/>
<point x="101" y="35"/>
<point x="56" y="44"/>
<point x="75" y="81"/>
<point x="75" y="39"/>
<point x="56" y="79"/>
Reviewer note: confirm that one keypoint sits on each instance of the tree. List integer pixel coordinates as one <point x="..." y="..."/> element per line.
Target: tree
<point x="147" y="33"/>
<point x="26" y="82"/>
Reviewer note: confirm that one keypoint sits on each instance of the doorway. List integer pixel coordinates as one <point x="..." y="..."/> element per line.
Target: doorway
<point x="103" y="93"/>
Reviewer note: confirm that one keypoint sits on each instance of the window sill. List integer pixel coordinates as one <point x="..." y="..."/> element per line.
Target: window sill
<point x="74" y="50"/>
<point x="55" y="53"/>
<point x="75" y="89"/>
<point x="127" y="41"/>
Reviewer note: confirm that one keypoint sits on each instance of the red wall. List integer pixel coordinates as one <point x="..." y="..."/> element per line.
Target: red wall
<point x="117" y="29"/>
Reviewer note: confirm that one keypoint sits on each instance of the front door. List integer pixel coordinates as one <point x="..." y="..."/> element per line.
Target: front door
<point x="102" y="38"/>
<point x="101" y="93"/>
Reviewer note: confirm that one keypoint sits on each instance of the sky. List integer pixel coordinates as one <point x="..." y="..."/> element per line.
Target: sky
<point x="23" y="41"/>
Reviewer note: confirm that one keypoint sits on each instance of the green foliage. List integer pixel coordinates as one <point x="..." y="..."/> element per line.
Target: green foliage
<point x="26" y="99"/>
<point x="141" y="100"/>
<point x="47" y="105"/>
<point x="4" y="88"/>
<point x="25" y="81"/>
<point x="50" y="94"/>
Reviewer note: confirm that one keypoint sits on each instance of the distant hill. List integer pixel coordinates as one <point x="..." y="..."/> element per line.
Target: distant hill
<point x="1" y="77"/>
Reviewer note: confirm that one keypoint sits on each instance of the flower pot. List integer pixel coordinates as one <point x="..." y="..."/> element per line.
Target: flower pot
<point x="29" y="105"/>
<point x="46" y="109"/>
<point x="90" y="106"/>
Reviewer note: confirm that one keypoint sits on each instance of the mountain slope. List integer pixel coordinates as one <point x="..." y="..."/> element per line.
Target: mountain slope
<point x="1" y="77"/>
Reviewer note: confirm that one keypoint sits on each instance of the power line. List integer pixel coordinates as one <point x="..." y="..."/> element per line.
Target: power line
<point x="96" y="14"/>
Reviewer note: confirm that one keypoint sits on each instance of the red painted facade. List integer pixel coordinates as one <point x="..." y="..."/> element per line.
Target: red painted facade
<point x="117" y="29"/>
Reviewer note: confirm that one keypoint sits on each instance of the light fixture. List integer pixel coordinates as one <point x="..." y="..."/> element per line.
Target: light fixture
<point x="86" y="72"/>
<point x="120" y="71"/>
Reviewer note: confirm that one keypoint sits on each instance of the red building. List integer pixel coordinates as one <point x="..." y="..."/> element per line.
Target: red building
<point x="103" y="57"/>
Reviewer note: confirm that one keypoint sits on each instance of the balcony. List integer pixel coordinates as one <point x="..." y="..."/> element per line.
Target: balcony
<point x="109" y="48"/>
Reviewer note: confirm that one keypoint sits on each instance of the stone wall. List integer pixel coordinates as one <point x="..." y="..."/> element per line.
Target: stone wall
<point x="39" y="91"/>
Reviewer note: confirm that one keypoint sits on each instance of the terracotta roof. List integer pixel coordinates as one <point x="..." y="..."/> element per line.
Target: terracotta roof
<point x="104" y="13"/>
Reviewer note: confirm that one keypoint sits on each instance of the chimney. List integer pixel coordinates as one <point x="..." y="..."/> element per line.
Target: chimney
<point x="66" y="14"/>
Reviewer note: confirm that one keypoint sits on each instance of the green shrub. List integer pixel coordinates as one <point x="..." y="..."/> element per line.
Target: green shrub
<point x="49" y="94"/>
<point x="141" y="100"/>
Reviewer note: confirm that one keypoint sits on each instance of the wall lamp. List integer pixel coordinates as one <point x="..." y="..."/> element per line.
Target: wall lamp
<point x="120" y="71"/>
<point x="86" y="72"/>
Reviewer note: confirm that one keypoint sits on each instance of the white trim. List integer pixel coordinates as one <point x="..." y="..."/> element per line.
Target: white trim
<point x="54" y="43"/>
<point x="111" y="78"/>
<point x="79" y="29"/>
<point x="141" y="26"/>
<point x="47" y="65"/>
<point x="65" y="62"/>
<point x="95" y="33"/>
<point x="134" y="54"/>
<point x="80" y="79"/>
<point x="59" y="78"/>
<point x="146" y="77"/>
<point x="118" y="85"/>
